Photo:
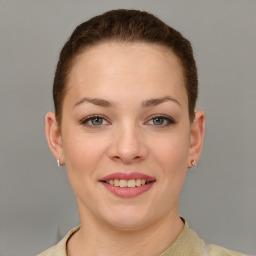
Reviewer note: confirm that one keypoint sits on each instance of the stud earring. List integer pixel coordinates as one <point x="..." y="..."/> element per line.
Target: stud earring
<point x="58" y="163"/>
<point x="193" y="162"/>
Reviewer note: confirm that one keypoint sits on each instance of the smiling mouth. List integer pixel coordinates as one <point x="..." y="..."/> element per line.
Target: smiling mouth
<point x="128" y="185"/>
<point x="132" y="183"/>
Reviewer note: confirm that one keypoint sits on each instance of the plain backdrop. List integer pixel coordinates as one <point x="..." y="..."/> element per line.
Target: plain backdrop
<point x="37" y="205"/>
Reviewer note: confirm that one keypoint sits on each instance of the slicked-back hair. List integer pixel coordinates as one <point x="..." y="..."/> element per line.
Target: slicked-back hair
<point x="130" y="26"/>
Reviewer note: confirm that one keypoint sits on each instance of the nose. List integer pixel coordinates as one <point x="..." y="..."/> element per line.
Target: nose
<point x="128" y="145"/>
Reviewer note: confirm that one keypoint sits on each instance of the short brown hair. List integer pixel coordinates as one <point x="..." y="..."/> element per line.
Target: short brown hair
<point x="125" y="26"/>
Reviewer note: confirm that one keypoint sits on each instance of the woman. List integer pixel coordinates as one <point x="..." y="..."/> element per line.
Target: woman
<point x="125" y="126"/>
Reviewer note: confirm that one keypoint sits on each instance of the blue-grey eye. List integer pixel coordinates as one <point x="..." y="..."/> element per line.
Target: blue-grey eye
<point x="97" y="120"/>
<point x="161" y="121"/>
<point x="94" y="121"/>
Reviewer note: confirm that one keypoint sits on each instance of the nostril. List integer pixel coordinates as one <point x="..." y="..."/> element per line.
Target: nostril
<point x="127" y="151"/>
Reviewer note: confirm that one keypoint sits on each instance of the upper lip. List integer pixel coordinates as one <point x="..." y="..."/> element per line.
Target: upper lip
<point x="127" y="176"/>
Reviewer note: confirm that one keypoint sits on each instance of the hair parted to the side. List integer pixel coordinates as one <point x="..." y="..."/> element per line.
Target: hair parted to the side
<point x="131" y="26"/>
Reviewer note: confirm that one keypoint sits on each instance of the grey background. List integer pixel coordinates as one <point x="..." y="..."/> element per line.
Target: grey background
<point x="37" y="205"/>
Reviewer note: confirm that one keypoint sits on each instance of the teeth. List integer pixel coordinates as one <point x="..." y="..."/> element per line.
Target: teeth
<point x="138" y="182"/>
<point x="123" y="183"/>
<point x="116" y="182"/>
<point x="127" y="183"/>
<point x="131" y="183"/>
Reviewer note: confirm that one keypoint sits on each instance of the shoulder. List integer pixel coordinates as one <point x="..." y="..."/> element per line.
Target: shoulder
<point x="215" y="250"/>
<point x="60" y="248"/>
<point x="57" y="250"/>
<point x="50" y="252"/>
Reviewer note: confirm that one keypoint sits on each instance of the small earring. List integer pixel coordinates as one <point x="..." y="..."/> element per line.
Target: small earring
<point x="193" y="162"/>
<point x="58" y="163"/>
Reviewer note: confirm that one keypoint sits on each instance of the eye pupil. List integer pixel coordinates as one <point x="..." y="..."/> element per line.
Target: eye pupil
<point x="158" y="121"/>
<point x="97" y="121"/>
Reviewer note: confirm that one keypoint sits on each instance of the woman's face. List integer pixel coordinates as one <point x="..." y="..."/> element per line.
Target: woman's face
<point x="125" y="123"/>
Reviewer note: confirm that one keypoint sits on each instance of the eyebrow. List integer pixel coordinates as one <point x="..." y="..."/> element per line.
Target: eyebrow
<point x="106" y="103"/>
<point x="157" y="101"/>
<point x="95" y="101"/>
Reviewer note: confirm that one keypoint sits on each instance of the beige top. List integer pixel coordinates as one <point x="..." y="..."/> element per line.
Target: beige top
<point x="188" y="243"/>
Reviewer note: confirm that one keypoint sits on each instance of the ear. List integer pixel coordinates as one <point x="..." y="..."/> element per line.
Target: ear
<point x="53" y="136"/>
<point x="196" y="138"/>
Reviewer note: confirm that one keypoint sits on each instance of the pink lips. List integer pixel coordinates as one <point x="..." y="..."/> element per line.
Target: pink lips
<point x="128" y="192"/>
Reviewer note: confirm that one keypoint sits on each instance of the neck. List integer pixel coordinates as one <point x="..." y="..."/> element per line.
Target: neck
<point x="95" y="238"/>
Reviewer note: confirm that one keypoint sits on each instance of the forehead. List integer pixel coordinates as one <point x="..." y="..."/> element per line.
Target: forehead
<point x="113" y="67"/>
<point x="111" y="55"/>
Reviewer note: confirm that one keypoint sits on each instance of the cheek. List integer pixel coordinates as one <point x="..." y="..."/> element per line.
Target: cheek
<point x="82" y="157"/>
<point x="173" y="150"/>
<point x="171" y="156"/>
<point x="82" y="153"/>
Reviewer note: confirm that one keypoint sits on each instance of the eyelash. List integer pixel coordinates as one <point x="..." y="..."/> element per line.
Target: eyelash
<point x="167" y="119"/>
<point x="86" y="121"/>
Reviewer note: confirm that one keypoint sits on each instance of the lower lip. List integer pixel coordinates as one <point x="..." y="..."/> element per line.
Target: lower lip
<point x="128" y="192"/>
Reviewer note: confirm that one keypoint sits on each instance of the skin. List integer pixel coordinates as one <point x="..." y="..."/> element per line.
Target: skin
<point x="128" y="139"/>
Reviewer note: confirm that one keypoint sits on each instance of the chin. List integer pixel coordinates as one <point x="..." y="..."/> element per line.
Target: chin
<point x="127" y="224"/>
<point x="128" y="218"/>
